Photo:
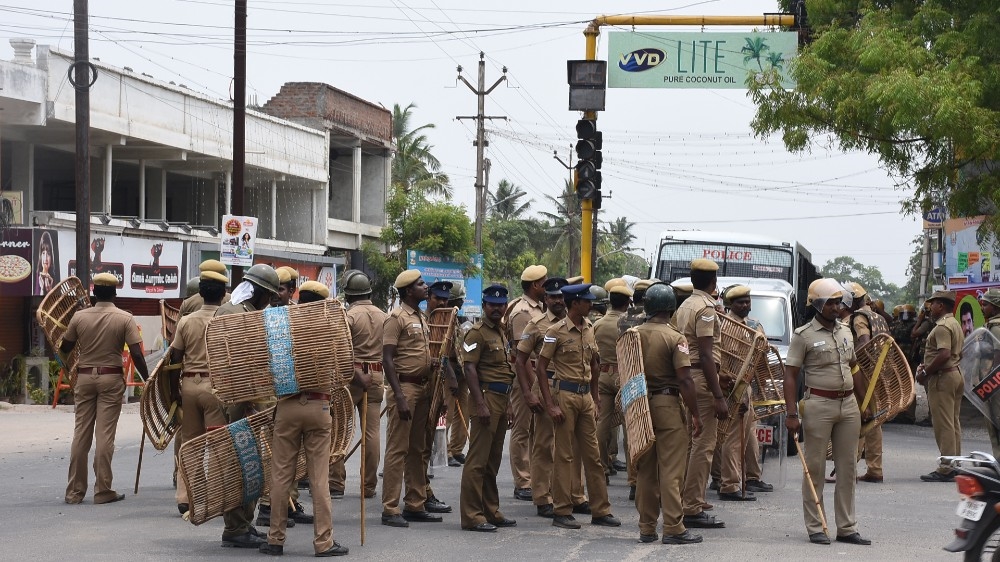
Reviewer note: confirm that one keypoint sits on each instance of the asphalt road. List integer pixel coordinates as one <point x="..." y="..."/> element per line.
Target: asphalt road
<point x="906" y="519"/>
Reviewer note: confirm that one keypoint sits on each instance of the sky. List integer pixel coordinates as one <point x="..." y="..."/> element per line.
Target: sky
<point x="673" y="159"/>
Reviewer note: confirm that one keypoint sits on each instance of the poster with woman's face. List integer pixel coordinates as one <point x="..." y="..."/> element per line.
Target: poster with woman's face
<point x="45" y="251"/>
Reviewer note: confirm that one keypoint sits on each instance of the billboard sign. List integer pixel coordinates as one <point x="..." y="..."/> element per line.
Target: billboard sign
<point x="433" y="268"/>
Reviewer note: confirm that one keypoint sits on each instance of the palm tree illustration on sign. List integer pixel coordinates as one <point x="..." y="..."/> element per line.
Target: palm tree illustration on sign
<point x="776" y="60"/>
<point x="754" y="49"/>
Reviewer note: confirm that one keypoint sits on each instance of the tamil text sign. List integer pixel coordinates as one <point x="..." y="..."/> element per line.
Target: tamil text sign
<point x="697" y="60"/>
<point x="433" y="268"/>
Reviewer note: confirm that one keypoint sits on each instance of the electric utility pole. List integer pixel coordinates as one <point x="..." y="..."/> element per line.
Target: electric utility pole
<point x="481" y="143"/>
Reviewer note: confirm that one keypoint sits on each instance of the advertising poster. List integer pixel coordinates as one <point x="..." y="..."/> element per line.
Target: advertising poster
<point x="436" y="268"/>
<point x="144" y="267"/>
<point x="967" y="261"/>
<point x="238" y="237"/>
<point x="328" y="277"/>
<point x="45" y="249"/>
<point x="15" y="262"/>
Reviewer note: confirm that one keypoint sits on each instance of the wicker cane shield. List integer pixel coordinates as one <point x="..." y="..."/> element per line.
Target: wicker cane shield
<point x="741" y="348"/>
<point x="161" y="417"/>
<point x="442" y="326"/>
<point x="169" y="316"/>
<point x="54" y="314"/>
<point x="633" y="398"/>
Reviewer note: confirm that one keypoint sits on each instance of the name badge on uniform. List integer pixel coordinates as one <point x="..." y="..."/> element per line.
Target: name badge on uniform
<point x="417" y="325"/>
<point x="819" y="343"/>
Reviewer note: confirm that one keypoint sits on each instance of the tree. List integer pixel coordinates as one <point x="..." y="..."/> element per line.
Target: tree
<point x="414" y="166"/>
<point x="506" y="203"/>
<point x="846" y="268"/>
<point x="614" y="253"/>
<point x="563" y="232"/>
<point x="915" y="82"/>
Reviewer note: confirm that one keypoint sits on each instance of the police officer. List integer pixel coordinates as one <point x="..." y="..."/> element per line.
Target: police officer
<point x="101" y="331"/>
<point x="288" y="280"/>
<point x="458" y="435"/>
<point x="490" y="380"/>
<point x="660" y="472"/>
<point x="366" y="322"/>
<point x="406" y="360"/>
<point x="634" y="316"/>
<point x="823" y="349"/>
<point x="902" y="328"/>
<point x="260" y="283"/>
<point x="194" y="301"/>
<point x="941" y="376"/>
<point x="866" y="323"/>
<point x="571" y="351"/>
<point x="302" y="421"/>
<point x="438" y="294"/>
<point x="600" y="306"/>
<point x="606" y="334"/>
<point x="698" y="320"/>
<point x="519" y="312"/>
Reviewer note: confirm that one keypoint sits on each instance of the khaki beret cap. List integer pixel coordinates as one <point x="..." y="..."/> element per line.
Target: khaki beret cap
<point x="213" y="276"/>
<point x="944" y="295"/>
<point x="406" y="278"/>
<point x="105" y="280"/>
<point x="283" y="276"/>
<point x="736" y="292"/>
<point x="642" y="284"/>
<point x="315" y="287"/>
<point x="614" y="283"/>
<point x="620" y="290"/>
<point x="575" y="280"/>
<point x="291" y="271"/>
<point x="213" y="265"/>
<point x="704" y="264"/>
<point x="534" y="273"/>
<point x="683" y="289"/>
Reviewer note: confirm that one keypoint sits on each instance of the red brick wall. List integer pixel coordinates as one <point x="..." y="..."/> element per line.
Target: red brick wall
<point x="314" y="102"/>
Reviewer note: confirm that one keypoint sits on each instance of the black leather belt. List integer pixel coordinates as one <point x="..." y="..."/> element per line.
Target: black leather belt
<point x="498" y="387"/>
<point x="413" y="379"/>
<point x="668" y="391"/>
<point x="573" y="387"/>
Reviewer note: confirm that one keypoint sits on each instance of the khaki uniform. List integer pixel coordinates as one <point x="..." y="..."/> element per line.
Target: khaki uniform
<point x="570" y="351"/>
<point x="457" y="435"/>
<point x="606" y="334"/>
<point x="521" y="431"/>
<point x="824" y="357"/>
<point x="541" y="447"/>
<point x="867" y="322"/>
<point x="660" y="472"/>
<point x="195" y="302"/>
<point x="406" y="440"/>
<point x="486" y="348"/>
<point x="697" y="317"/>
<point x="366" y="322"/>
<point x="100" y="333"/>
<point x="945" y="387"/>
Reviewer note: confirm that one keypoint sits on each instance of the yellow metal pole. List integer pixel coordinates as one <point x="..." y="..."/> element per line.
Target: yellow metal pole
<point x="587" y="213"/>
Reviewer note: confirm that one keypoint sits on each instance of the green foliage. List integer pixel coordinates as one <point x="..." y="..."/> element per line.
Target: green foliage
<point x="506" y="204"/>
<point x="846" y="268"/>
<point x="914" y="82"/>
<point x="37" y="395"/>
<point x="12" y="377"/>
<point x="414" y="166"/>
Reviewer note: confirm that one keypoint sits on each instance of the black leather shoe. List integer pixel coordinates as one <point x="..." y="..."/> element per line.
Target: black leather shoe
<point x="523" y="494"/>
<point x="582" y="508"/>
<point x="819" y="538"/>
<point x="272" y="549"/>
<point x="606" y="521"/>
<point x="453" y="462"/>
<point x="938" y="477"/>
<point x="264" y="518"/>
<point x="394" y="521"/>
<point x="299" y="515"/>
<point x="565" y="522"/>
<point x="182" y="507"/>
<point x="648" y="538"/>
<point x="545" y="511"/>
<point x="703" y="521"/>
<point x="759" y="486"/>
<point x="687" y="537"/>
<point x="421" y="517"/>
<point x="854" y="538"/>
<point x="482" y="528"/>
<point x="335" y="550"/>
<point x="256" y="533"/>
<point x="631" y="493"/>
<point x="303" y="484"/>
<point x="246" y="540"/>
<point x="736" y="497"/>
<point x="504" y="522"/>
<point x="336" y="494"/>
<point x="434" y="505"/>
<point x="619" y="465"/>
<point x="713" y="485"/>
<point x="460" y="458"/>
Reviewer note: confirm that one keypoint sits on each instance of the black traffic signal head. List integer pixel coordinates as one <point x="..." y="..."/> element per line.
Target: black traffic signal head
<point x="586" y="128"/>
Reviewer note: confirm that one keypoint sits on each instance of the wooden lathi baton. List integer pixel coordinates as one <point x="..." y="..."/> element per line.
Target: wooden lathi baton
<point x="465" y="426"/>
<point x="138" y="467"/>
<point x="812" y="488"/>
<point x="364" y="428"/>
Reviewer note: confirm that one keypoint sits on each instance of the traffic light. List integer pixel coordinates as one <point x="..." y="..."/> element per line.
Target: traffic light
<point x="588" y="166"/>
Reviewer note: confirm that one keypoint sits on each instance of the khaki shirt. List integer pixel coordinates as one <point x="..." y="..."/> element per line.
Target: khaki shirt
<point x="195" y="302"/>
<point x="824" y="355"/>
<point x="664" y="352"/>
<point x="190" y="339"/>
<point x="523" y="312"/>
<point x="230" y="308"/>
<point x="606" y="334"/>
<point x="485" y="347"/>
<point x="569" y="350"/>
<point x="102" y="332"/>
<point x="531" y="339"/>
<point x="947" y="333"/>
<point x="867" y="322"/>
<point x="366" y="322"/>
<point x="748" y="322"/>
<point x="697" y="318"/>
<point x="407" y="329"/>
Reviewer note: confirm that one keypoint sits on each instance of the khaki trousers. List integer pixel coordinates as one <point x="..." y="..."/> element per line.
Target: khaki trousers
<point x="372" y="437"/>
<point x="873" y="451"/>
<point x="944" y="395"/>
<point x="458" y="436"/>
<point x="730" y="454"/>
<point x="660" y="472"/>
<point x="98" y="403"/>
<point x="702" y="448"/>
<point x="405" y="441"/>
<point x="576" y="437"/>
<point x="606" y="430"/>
<point x="301" y="424"/>
<point x="202" y="409"/>
<point x="751" y="456"/>
<point x="541" y="463"/>
<point x="480" y="500"/>
<point x="238" y="520"/>
<point x="825" y="420"/>
<point x="521" y="434"/>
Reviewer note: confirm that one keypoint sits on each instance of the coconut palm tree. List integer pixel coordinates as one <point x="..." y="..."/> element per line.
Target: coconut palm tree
<point x="414" y="166"/>
<point x="506" y="203"/>
<point x="618" y="233"/>
<point x="776" y="60"/>
<point x="754" y="50"/>
<point x="564" y="231"/>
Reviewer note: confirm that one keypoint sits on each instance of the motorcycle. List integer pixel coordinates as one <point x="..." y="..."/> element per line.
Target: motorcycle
<point x="978" y="481"/>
